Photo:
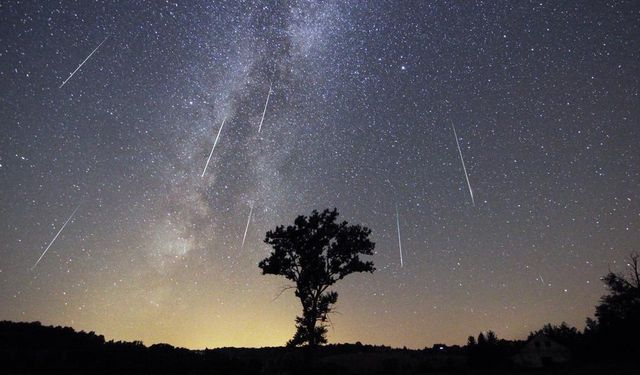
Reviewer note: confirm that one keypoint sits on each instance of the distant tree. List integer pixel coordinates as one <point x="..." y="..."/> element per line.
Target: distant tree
<point x="314" y="253"/>
<point x="490" y="352"/>
<point x="481" y="339"/>
<point x="471" y="341"/>
<point x="491" y="337"/>
<point x="487" y="338"/>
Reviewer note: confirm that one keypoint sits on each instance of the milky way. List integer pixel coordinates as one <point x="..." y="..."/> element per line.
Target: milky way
<point x="544" y="96"/>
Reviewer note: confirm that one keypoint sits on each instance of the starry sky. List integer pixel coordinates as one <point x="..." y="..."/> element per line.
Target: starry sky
<point x="544" y="100"/>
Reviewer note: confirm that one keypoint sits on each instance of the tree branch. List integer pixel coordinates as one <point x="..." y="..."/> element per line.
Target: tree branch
<point x="284" y="289"/>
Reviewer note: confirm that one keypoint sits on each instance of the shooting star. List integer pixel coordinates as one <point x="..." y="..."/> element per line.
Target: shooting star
<point x="541" y="279"/>
<point x="82" y="63"/>
<point x="393" y="189"/>
<point x="399" y="239"/>
<point x="54" y="238"/>
<point x="214" y="147"/>
<point x="247" y="227"/>
<point x="265" y="107"/>
<point x="463" y="165"/>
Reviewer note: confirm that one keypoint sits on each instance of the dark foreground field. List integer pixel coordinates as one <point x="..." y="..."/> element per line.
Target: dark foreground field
<point x="30" y="348"/>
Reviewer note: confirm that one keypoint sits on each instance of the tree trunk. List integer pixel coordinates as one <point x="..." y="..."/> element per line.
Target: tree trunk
<point x="311" y="326"/>
<point x="311" y="321"/>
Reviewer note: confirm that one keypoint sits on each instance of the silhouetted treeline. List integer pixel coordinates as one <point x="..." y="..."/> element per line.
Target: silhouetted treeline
<point x="487" y="351"/>
<point x="610" y="343"/>
<point x="33" y="348"/>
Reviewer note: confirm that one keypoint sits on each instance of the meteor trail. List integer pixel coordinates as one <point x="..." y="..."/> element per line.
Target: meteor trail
<point x="463" y="166"/>
<point x="393" y="189"/>
<point x="214" y="146"/>
<point x="541" y="279"/>
<point x="54" y="238"/>
<point x="265" y="107"/>
<point x="82" y="63"/>
<point x="247" y="227"/>
<point x="399" y="240"/>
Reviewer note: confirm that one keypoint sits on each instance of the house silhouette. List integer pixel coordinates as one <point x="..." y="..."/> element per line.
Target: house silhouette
<point x="541" y="351"/>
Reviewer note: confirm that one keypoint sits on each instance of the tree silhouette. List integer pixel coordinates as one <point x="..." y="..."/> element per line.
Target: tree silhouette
<point x="563" y="334"/>
<point x="315" y="253"/>
<point x="486" y="338"/>
<point x="618" y="314"/>
<point x="471" y="341"/>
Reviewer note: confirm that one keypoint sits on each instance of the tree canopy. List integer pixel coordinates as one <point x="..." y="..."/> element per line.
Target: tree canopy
<point x="314" y="253"/>
<point x="618" y="314"/>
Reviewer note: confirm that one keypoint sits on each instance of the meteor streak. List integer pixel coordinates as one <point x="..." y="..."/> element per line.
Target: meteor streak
<point x="247" y="227"/>
<point x="393" y="189"/>
<point x="463" y="165"/>
<point x="265" y="107"/>
<point x="82" y="63"/>
<point x="214" y="146"/>
<point x="399" y="239"/>
<point x="54" y="238"/>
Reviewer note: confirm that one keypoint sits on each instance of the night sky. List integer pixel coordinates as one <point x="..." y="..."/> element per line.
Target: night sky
<point x="544" y="97"/>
